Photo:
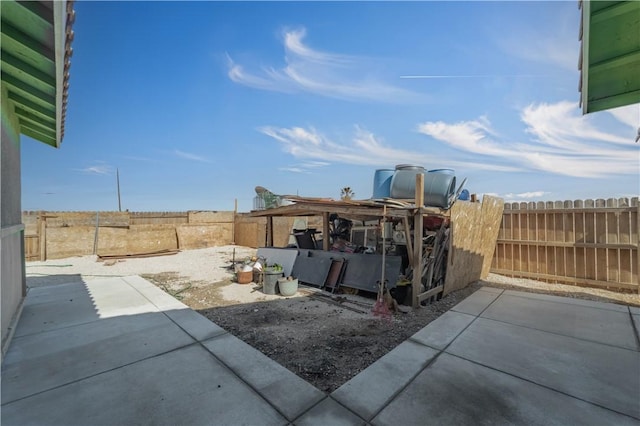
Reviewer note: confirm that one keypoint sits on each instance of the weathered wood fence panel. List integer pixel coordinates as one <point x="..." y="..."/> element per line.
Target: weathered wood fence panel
<point x="55" y="235"/>
<point x="588" y="242"/>
<point x="157" y="218"/>
<point x="31" y="247"/>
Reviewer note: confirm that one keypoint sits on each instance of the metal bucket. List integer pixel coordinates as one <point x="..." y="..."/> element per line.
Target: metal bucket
<point x="270" y="281"/>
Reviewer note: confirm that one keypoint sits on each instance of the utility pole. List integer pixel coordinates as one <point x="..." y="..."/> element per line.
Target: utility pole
<point x="118" y="183"/>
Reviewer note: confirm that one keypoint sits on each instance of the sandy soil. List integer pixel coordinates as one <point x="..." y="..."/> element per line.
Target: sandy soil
<point x="324" y="339"/>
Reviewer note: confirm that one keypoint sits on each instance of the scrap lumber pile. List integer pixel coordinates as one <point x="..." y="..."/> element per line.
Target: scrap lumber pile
<point x="434" y="259"/>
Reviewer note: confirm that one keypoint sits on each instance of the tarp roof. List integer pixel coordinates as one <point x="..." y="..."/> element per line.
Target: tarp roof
<point x="36" y="41"/>
<point x="609" y="55"/>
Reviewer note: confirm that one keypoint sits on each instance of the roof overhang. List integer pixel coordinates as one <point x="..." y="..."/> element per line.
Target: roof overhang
<point x="36" y="41"/>
<point x="609" y="55"/>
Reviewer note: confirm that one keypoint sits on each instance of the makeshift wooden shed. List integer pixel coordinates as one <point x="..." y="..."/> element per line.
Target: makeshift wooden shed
<point x="473" y="232"/>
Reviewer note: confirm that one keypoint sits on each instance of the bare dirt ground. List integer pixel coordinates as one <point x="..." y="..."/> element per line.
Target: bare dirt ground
<point x="322" y="338"/>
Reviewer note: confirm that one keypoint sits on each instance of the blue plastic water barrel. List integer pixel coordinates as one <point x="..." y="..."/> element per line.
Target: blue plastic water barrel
<point x="439" y="189"/>
<point x="464" y="195"/>
<point x="447" y="171"/>
<point x="382" y="183"/>
<point x="403" y="183"/>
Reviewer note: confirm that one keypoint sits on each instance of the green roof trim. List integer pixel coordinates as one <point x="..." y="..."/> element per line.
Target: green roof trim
<point x="609" y="55"/>
<point x="35" y="40"/>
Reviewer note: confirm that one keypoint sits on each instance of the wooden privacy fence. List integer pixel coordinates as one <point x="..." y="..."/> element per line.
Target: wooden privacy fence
<point x="55" y="235"/>
<point x="593" y="243"/>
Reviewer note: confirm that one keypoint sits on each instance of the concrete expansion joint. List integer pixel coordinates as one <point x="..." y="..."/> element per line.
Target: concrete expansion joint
<point x="541" y="385"/>
<point x="239" y="376"/>
<point x="97" y="374"/>
<point x="635" y="329"/>
<point x="215" y="337"/>
<point x="328" y="397"/>
<point x="406" y="385"/>
<point x="562" y="302"/>
<point x="565" y="335"/>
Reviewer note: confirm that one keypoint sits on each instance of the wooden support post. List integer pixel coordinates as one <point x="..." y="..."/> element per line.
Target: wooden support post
<point x="233" y="224"/>
<point x="269" y="242"/>
<point x="325" y="231"/>
<point x="407" y="237"/>
<point x="42" y="238"/>
<point x="95" y="236"/>
<point x="416" y="285"/>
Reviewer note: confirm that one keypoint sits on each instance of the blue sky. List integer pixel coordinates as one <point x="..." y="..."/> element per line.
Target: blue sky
<point x="196" y="103"/>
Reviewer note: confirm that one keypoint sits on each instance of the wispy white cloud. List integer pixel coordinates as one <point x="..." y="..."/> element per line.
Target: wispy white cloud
<point x="558" y="140"/>
<point x="192" y="157"/>
<point x="361" y="148"/>
<point x="321" y="73"/>
<point x="293" y="169"/>
<point x="97" y="169"/>
<point x="142" y="159"/>
<point x="562" y="141"/>
<point x="305" y="167"/>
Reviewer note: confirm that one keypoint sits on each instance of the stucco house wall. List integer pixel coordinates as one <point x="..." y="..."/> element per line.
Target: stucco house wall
<point x="12" y="277"/>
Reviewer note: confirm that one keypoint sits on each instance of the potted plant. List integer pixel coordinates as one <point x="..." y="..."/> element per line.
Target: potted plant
<point x="271" y="274"/>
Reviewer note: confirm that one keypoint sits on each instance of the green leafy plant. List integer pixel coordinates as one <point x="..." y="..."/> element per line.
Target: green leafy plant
<point x="276" y="267"/>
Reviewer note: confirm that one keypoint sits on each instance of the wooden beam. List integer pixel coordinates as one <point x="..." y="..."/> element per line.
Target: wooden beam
<point x="312" y="209"/>
<point x="42" y="238"/>
<point x="325" y="231"/>
<point x="416" y="284"/>
<point x="43" y="109"/>
<point x="33" y="45"/>
<point x="407" y="237"/>
<point x="430" y="293"/>
<point x="28" y="69"/>
<point x="21" y="85"/>
<point x="269" y="242"/>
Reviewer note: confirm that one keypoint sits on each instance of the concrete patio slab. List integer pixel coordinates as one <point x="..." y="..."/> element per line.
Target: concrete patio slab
<point x="611" y="327"/>
<point x="329" y="412"/>
<point x="197" y="326"/>
<point x="602" y="374"/>
<point x="153" y="294"/>
<point x="368" y="392"/>
<point x="634" y="310"/>
<point x="101" y="299"/>
<point x="636" y="321"/>
<point x="476" y="303"/>
<point x="492" y="290"/>
<point x="453" y="391"/>
<point x="186" y="386"/>
<point x="442" y="331"/>
<point x="289" y="393"/>
<point x="121" y="351"/>
<point x="41" y="295"/>
<point x="47" y="360"/>
<point x="568" y="300"/>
